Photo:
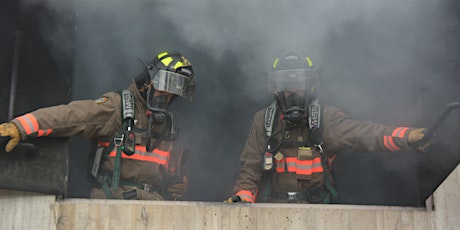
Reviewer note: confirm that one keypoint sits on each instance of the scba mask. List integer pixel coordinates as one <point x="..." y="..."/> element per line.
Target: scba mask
<point x="169" y="82"/>
<point x="170" y="75"/>
<point x="294" y="90"/>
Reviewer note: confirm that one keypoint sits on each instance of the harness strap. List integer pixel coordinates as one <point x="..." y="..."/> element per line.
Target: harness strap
<point x="315" y="133"/>
<point x="270" y="113"/>
<point x="116" y="170"/>
<point x="104" y="181"/>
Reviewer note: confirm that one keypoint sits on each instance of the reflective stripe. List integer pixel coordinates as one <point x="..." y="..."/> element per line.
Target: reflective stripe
<point x="280" y="165"/>
<point x="310" y="63"/>
<point x="161" y="55"/>
<point x="389" y="143"/>
<point x="166" y="61"/>
<point x="141" y="154"/>
<point x="247" y="196"/>
<point x="44" y="132"/>
<point x="29" y="123"/>
<point x="399" y="132"/>
<point x="178" y="64"/>
<point x="157" y="156"/>
<point x="304" y="167"/>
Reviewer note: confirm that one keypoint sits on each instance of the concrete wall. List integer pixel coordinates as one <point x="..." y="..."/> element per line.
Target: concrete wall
<point x="21" y="210"/>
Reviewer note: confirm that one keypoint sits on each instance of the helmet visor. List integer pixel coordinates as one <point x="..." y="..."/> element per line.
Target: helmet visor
<point x="174" y="83"/>
<point x="292" y="80"/>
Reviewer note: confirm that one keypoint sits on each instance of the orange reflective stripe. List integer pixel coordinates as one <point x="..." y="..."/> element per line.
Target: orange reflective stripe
<point x="304" y="167"/>
<point x="29" y="123"/>
<point x="141" y="154"/>
<point x="103" y="144"/>
<point x="399" y="132"/>
<point x="291" y="163"/>
<point x="280" y="165"/>
<point x="389" y="143"/>
<point x="247" y="196"/>
<point x="44" y="132"/>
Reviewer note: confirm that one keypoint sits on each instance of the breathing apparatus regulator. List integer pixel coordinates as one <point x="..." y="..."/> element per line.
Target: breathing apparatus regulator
<point x="169" y="75"/>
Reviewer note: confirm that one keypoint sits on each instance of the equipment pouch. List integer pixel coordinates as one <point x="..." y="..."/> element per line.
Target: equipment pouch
<point x="129" y="143"/>
<point x="280" y="162"/>
<point x="268" y="161"/>
<point x="97" y="161"/>
<point x="304" y="153"/>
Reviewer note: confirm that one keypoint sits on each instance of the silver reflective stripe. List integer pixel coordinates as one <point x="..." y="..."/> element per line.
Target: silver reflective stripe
<point x="30" y="124"/>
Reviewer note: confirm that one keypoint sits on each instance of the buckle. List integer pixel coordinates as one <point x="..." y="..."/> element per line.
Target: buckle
<point x="291" y="196"/>
<point x="118" y="140"/>
<point x="148" y="187"/>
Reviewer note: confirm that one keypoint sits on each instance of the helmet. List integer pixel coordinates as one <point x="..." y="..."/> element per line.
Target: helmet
<point x="294" y="81"/>
<point x="169" y="72"/>
<point x="293" y="72"/>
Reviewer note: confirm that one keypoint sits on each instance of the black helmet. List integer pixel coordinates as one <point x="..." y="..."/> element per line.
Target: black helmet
<point x="169" y="72"/>
<point x="294" y="81"/>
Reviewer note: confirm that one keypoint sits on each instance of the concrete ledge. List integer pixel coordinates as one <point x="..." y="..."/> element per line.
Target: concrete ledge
<point x="446" y="199"/>
<point x="111" y="214"/>
<point x="25" y="210"/>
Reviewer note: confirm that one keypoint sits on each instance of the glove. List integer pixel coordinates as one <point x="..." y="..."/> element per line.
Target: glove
<point x="415" y="140"/>
<point x="177" y="190"/>
<point x="233" y="199"/>
<point x="10" y="130"/>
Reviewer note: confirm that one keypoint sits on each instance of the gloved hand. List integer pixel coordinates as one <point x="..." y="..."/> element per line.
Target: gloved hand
<point x="233" y="199"/>
<point x="177" y="190"/>
<point x="10" y="130"/>
<point x="415" y="139"/>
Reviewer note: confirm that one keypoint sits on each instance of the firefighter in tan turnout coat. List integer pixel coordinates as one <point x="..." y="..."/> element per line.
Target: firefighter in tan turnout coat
<point x="132" y="130"/>
<point x="292" y="143"/>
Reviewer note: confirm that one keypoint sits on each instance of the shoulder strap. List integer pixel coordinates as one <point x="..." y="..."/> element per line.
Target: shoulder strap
<point x="270" y="113"/>
<point x="127" y="105"/>
<point x="314" y="122"/>
<point x="126" y="142"/>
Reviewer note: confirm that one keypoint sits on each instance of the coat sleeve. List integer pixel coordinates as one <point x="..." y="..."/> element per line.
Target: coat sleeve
<point x="343" y="132"/>
<point x="250" y="175"/>
<point x="84" y="118"/>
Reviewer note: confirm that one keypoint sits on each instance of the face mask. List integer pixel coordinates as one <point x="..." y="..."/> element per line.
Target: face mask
<point x="294" y="107"/>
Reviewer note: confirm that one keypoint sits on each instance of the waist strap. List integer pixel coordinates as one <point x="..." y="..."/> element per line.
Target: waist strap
<point x="106" y="180"/>
<point x="289" y="196"/>
<point x="313" y="196"/>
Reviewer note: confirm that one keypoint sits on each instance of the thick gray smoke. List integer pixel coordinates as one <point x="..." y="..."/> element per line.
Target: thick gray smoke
<point x="380" y="60"/>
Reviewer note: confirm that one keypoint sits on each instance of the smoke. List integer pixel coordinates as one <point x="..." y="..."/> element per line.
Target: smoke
<point x="373" y="55"/>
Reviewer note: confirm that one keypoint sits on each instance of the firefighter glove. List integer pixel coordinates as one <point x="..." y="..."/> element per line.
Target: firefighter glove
<point x="416" y="140"/>
<point x="235" y="199"/>
<point x="11" y="134"/>
<point x="178" y="188"/>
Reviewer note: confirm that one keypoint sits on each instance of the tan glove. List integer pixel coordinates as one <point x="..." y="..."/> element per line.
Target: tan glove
<point x="415" y="139"/>
<point x="178" y="190"/>
<point x="10" y="130"/>
<point x="233" y="199"/>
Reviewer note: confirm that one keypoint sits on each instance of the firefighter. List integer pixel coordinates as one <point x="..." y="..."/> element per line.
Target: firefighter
<point x="292" y="143"/>
<point x="132" y="131"/>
